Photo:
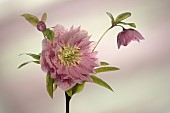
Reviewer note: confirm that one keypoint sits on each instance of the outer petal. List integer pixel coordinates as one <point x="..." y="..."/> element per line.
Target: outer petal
<point x="44" y="64"/>
<point x="137" y="35"/>
<point x="59" y="30"/>
<point x="78" y="75"/>
<point x="65" y="84"/>
<point x="119" y="40"/>
<point x="46" y="44"/>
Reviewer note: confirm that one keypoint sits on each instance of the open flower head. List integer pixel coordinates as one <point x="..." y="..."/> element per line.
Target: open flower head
<point x="69" y="58"/>
<point x="127" y="35"/>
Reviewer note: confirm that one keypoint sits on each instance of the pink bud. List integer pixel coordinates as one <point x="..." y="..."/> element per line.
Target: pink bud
<point x="41" y="26"/>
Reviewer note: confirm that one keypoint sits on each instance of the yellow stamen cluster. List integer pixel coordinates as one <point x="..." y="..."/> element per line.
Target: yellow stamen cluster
<point x="69" y="55"/>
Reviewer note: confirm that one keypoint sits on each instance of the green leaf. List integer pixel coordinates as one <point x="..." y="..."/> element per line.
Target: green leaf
<point x="49" y="34"/>
<point x="104" y="63"/>
<point x="54" y="86"/>
<point x="130" y="24"/>
<point x="100" y="82"/>
<point x="76" y="89"/>
<point x="49" y="85"/>
<point x="31" y="19"/>
<point x="122" y="16"/>
<point x="105" y="69"/>
<point x="44" y="17"/>
<point x="35" y="56"/>
<point x="111" y="16"/>
<point x="25" y="63"/>
<point x="69" y="92"/>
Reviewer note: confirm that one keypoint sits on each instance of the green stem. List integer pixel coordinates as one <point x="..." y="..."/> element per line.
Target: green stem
<point x="102" y="37"/>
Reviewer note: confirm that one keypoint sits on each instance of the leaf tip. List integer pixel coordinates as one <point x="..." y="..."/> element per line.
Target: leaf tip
<point x="22" y="15"/>
<point x="111" y="89"/>
<point x="104" y="63"/>
<point x="117" y="68"/>
<point x="44" y="17"/>
<point x="21" y="54"/>
<point x="110" y="15"/>
<point x="134" y="25"/>
<point x="51" y="96"/>
<point x="107" y="13"/>
<point x="128" y="13"/>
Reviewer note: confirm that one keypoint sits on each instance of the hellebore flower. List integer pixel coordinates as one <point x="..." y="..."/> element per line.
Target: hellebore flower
<point x="69" y="58"/>
<point x="127" y="35"/>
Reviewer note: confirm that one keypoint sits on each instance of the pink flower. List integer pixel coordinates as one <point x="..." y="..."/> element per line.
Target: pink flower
<point x="127" y="35"/>
<point x="68" y="58"/>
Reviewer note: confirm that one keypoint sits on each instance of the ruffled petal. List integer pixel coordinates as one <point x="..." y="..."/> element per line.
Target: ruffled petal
<point x="128" y="35"/>
<point x="46" y="44"/>
<point x="65" y="84"/>
<point x="59" y="30"/>
<point x="44" y="64"/>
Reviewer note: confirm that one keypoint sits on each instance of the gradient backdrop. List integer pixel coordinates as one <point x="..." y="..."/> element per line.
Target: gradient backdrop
<point x="141" y="86"/>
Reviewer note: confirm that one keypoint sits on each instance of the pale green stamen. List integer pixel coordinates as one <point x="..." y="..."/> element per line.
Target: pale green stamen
<point x="69" y="55"/>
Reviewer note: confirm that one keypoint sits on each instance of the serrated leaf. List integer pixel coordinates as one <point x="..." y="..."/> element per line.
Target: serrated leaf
<point x="25" y="63"/>
<point x="49" y="34"/>
<point x="122" y="16"/>
<point x="130" y="24"/>
<point x="31" y="19"/>
<point x="105" y="69"/>
<point x="100" y="82"/>
<point x="104" y="63"/>
<point x="49" y="85"/>
<point x="44" y="17"/>
<point x="76" y="89"/>
<point x="35" y="56"/>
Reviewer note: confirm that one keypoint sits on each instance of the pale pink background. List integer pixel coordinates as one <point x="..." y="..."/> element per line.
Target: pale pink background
<point x="142" y="84"/>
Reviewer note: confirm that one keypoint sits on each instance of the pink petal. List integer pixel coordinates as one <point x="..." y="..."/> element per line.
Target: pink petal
<point x="44" y="64"/>
<point x="46" y="44"/>
<point x="65" y="84"/>
<point x="59" y="30"/>
<point x="84" y="66"/>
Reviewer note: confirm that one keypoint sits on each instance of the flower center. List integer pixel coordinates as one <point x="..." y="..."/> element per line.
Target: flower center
<point x="69" y="55"/>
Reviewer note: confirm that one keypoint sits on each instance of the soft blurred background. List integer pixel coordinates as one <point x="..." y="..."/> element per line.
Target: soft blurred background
<point x="141" y="86"/>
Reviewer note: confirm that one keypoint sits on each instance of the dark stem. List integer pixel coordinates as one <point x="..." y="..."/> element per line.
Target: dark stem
<point x="67" y="102"/>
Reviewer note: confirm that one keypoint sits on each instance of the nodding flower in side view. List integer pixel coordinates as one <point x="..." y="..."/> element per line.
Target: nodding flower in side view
<point x="128" y="35"/>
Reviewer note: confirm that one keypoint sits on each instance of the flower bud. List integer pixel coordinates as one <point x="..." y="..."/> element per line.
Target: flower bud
<point x="41" y="26"/>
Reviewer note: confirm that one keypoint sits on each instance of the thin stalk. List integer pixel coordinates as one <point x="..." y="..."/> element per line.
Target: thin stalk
<point x="67" y="102"/>
<point x="121" y="26"/>
<point x="102" y="37"/>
